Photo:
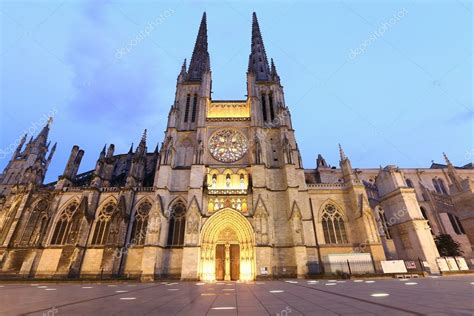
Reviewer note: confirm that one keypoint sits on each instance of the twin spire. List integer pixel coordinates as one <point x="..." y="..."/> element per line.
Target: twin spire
<point x="258" y="62"/>
<point x="200" y="61"/>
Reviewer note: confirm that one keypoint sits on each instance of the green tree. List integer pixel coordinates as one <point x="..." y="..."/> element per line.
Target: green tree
<point x="447" y="246"/>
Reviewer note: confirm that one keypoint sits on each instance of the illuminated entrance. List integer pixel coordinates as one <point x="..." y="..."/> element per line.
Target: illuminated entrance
<point x="227" y="248"/>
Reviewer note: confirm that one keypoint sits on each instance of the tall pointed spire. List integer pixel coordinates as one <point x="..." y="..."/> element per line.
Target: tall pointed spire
<point x="51" y="154"/>
<point x="200" y="61"/>
<point x="342" y="155"/>
<point x="20" y="146"/>
<point x="182" y="74"/>
<point x="273" y="71"/>
<point x="453" y="174"/>
<point x="102" y="153"/>
<point x="43" y="135"/>
<point x="258" y="62"/>
<point x="141" y="149"/>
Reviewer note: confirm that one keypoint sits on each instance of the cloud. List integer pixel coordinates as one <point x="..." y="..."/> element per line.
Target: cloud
<point x="461" y="117"/>
<point x="106" y="88"/>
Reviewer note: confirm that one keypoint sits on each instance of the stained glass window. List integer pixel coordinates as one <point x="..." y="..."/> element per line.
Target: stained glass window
<point x="228" y="145"/>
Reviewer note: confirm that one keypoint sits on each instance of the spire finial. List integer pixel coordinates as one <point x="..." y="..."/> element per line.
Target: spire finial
<point x="448" y="162"/>
<point x="258" y="62"/>
<point x="200" y="61"/>
<point x="341" y="153"/>
<point x="43" y="134"/>
<point x="130" y="151"/>
<point x="144" y="136"/>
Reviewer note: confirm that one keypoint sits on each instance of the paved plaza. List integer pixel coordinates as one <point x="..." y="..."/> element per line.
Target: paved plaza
<point x="428" y="296"/>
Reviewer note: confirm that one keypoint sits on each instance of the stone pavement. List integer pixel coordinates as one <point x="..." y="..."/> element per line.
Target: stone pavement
<point x="429" y="296"/>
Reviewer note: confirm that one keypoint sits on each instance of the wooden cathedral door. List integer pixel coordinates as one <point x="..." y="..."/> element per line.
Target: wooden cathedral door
<point x="220" y="262"/>
<point x="234" y="262"/>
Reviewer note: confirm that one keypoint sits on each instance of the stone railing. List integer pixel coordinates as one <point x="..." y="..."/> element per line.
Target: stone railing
<point x="73" y="189"/>
<point x="330" y="186"/>
<point x="442" y="199"/>
<point x="110" y="189"/>
<point x="144" y="189"/>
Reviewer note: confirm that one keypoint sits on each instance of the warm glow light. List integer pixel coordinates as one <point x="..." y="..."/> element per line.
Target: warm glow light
<point x="226" y="110"/>
<point x="379" y="294"/>
<point x="276" y="291"/>
<point x="245" y="270"/>
<point x="223" y="308"/>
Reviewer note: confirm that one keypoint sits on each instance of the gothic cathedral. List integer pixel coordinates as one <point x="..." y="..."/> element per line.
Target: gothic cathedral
<point x="225" y="197"/>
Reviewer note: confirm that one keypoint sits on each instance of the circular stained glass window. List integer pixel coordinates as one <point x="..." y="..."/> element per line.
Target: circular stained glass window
<point x="228" y="145"/>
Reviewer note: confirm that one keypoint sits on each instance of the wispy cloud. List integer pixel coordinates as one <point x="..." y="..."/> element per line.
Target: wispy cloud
<point x="461" y="117"/>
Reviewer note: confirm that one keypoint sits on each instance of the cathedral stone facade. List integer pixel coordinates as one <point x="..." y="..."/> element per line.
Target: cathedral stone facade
<point x="225" y="197"/>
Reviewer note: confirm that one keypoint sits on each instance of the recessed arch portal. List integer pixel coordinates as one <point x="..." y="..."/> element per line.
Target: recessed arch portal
<point x="227" y="226"/>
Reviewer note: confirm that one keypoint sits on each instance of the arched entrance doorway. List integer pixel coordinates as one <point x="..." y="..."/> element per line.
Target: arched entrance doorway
<point x="227" y="247"/>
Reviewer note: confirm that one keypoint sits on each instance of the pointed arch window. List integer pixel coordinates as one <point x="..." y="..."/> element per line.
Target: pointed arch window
<point x="186" y="110"/>
<point x="62" y="231"/>
<point x="270" y="104"/>
<point x="442" y="187"/>
<point x="176" y="225"/>
<point x="102" y="225"/>
<point x="333" y="225"/>
<point x="264" y="108"/>
<point x="436" y="186"/>
<point x="193" y="113"/>
<point x="7" y="223"/>
<point x="456" y="223"/>
<point x="384" y="223"/>
<point x="36" y="225"/>
<point x="140" y="224"/>
<point x="409" y="183"/>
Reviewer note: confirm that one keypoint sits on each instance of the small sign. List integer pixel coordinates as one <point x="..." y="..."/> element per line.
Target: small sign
<point x="461" y="263"/>
<point x="264" y="271"/>
<point x="442" y="264"/>
<point x="410" y="265"/>
<point x="393" y="266"/>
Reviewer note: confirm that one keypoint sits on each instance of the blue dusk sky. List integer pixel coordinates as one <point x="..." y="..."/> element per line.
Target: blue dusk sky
<point x="389" y="80"/>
